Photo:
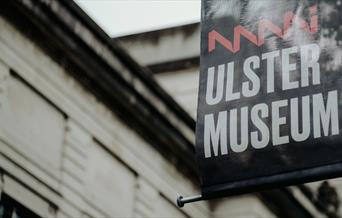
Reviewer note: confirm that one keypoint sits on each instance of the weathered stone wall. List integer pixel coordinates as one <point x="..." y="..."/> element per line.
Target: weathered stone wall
<point x="64" y="154"/>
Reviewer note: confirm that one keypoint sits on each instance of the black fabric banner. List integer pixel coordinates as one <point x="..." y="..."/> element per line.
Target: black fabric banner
<point x="269" y="106"/>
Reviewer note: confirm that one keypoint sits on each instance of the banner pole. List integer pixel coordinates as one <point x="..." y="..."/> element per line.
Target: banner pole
<point x="181" y="201"/>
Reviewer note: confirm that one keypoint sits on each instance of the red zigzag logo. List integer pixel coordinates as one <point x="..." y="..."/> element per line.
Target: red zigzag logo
<point x="289" y="18"/>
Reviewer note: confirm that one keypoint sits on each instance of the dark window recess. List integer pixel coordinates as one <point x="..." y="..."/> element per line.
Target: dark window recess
<point x="10" y="208"/>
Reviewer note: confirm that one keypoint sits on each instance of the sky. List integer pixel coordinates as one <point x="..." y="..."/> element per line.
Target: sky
<point x="124" y="17"/>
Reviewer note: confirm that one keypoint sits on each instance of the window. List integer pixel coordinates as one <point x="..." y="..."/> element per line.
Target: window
<point x="9" y="208"/>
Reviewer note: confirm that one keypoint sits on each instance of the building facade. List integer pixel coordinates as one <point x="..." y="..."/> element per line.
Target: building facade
<point x="83" y="134"/>
<point x="87" y="131"/>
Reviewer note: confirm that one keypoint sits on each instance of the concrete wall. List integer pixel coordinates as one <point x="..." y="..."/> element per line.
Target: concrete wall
<point x="182" y="86"/>
<point x="64" y="154"/>
<point x="164" y="45"/>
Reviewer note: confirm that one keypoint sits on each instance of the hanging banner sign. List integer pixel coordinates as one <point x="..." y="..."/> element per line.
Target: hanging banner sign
<point x="269" y="109"/>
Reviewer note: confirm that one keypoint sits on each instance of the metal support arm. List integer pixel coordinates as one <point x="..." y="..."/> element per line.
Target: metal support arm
<point x="181" y="201"/>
